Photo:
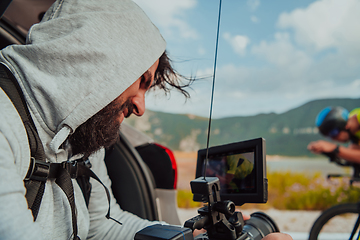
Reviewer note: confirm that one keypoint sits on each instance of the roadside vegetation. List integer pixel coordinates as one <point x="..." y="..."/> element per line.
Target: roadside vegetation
<point x="296" y="191"/>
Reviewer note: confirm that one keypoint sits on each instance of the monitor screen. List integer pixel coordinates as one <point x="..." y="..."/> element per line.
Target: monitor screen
<point x="235" y="171"/>
<point x="241" y="169"/>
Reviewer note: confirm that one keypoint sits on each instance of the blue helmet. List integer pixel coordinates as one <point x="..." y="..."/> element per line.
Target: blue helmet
<point x="332" y="120"/>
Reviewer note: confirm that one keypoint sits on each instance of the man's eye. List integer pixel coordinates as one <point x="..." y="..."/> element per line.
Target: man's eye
<point x="143" y="80"/>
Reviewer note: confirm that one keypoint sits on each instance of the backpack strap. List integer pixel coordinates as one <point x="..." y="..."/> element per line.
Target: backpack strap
<point x="40" y="170"/>
<point x="34" y="189"/>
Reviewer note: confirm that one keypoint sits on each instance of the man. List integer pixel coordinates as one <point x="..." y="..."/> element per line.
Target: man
<point x="341" y="126"/>
<point x="85" y="68"/>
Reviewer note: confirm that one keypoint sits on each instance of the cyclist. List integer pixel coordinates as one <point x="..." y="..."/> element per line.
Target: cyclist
<point x="341" y="126"/>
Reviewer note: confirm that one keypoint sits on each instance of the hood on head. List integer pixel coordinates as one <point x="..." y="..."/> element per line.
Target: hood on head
<point x="81" y="56"/>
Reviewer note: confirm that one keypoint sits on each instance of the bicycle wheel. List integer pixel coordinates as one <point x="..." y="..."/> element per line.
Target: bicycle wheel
<point x="336" y="222"/>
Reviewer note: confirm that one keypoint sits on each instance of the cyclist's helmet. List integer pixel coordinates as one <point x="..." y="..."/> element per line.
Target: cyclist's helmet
<point x="332" y="120"/>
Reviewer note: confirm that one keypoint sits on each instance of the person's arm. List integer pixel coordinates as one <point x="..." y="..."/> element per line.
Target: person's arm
<point x="277" y="236"/>
<point x="16" y="221"/>
<point x="351" y="153"/>
<point x="321" y="146"/>
<point x="100" y="226"/>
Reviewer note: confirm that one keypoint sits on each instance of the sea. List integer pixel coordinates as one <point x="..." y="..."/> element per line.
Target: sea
<point x="305" y="165"/>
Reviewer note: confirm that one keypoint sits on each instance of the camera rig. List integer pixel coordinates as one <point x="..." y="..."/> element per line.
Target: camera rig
<point x="220" y="219"/>
<point x="218" y="216"/>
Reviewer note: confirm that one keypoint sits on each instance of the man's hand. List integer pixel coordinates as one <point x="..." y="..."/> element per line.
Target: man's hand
<point x="278" y="236"/>
<point x="321" y="146"/>
<point x="197" y="232"/>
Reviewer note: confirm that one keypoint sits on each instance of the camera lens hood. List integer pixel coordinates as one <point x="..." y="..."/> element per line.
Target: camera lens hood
<point x="259" y="225"/>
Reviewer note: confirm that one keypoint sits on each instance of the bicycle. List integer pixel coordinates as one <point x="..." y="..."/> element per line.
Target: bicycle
<point x="349" y="211"/>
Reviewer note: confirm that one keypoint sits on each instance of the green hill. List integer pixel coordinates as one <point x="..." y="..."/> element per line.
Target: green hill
<point x="287" y="133"/>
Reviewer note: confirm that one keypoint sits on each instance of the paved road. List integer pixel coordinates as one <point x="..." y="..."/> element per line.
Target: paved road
<point x="328" y="236"/>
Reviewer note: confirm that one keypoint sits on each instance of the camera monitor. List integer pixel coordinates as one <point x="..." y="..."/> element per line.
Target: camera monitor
<point x="241" y="169"/>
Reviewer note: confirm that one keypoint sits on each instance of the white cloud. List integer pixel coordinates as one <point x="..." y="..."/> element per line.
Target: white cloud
<point x="237" y="42"/>
<point x="254" y="19"/>
<point x="332" y="89"/>
<point x="202" y="73"/>
<point x="356" y="84"/>
<point x="201" y="50"/>
<point x="325" y="24"/>
<point x="171" y="18"/>
<point x="176" y="102"/>
<point x="253" y="4"/>
<point x="289" y="72"/>
<point x="243" y="91"/>
<point x="233" y="77"/>
<point x="282" y="52"/>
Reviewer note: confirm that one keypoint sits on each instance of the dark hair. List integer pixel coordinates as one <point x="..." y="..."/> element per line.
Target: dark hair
<point x="167" y="78"/>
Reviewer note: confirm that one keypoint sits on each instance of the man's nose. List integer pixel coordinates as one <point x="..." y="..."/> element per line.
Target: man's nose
<point x="139" y="104"/>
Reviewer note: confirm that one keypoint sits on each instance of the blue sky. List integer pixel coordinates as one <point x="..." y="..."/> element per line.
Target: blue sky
<point x="272" y="55"/>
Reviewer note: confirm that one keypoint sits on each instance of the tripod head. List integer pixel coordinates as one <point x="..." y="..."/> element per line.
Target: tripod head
<point x="218" y="217"/>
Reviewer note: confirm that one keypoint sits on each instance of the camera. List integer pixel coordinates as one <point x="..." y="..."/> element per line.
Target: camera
<point x="227" y="176"/>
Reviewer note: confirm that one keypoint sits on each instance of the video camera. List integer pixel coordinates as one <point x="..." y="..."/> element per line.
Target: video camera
<point x="227" y="175"/>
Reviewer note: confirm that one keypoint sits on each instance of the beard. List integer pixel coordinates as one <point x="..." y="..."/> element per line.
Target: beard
<point x="101" y="130"/>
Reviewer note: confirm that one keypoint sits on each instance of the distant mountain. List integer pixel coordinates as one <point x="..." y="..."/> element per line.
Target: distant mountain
<point x="286" y="133"/>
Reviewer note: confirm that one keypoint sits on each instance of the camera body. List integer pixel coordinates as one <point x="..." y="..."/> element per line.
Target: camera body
<point x="227" y="175"/>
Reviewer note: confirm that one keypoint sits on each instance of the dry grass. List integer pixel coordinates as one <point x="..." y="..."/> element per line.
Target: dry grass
<point x="186" y="164"/>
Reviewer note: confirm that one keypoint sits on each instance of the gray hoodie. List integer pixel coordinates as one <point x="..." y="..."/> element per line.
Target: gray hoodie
<point x="81" y="57"/>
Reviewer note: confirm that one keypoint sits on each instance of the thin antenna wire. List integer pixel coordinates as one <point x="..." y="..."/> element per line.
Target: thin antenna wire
<point x="212" y="91"/>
